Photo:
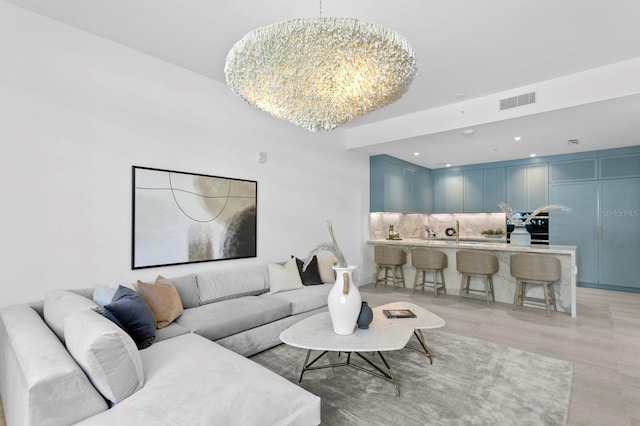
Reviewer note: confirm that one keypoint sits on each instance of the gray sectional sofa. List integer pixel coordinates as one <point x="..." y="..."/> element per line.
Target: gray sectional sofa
<point x="63" y="363"/>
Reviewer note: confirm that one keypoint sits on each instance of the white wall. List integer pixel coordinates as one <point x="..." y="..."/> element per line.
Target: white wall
<point x="77" y="111"/>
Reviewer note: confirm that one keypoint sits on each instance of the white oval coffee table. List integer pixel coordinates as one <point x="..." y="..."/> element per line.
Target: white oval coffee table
<point x="384" y="334"/>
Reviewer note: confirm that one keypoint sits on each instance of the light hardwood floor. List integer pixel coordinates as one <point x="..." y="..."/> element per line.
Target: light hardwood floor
<point x="603" y="342"/>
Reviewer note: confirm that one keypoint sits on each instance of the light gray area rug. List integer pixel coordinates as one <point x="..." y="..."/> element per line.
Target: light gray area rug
<point x="471" y="382"/>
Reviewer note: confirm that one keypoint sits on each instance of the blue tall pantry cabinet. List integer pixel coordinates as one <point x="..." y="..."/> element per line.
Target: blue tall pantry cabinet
<point x="604" y="195"/>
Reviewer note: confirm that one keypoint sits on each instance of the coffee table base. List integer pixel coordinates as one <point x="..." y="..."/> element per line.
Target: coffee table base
<point x="377" y="372"/>
<point x="423" y="343"/>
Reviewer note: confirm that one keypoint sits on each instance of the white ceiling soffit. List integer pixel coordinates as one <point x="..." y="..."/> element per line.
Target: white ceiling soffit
<point x="600" y="84"/>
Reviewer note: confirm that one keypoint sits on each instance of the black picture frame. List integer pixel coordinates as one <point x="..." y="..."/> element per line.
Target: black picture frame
<point x="181" y="217"/>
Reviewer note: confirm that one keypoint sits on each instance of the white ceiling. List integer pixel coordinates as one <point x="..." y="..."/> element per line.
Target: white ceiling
<point x="470" y="47"/>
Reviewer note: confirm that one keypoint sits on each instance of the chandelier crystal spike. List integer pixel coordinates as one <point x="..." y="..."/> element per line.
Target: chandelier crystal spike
<point x="320" y="73"/>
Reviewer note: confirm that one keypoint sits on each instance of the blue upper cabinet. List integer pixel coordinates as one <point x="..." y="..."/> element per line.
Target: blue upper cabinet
<point x="448" y="192"/>
<point x="493" y="189"/>
<point x="473" y="191"/>
<point x="527" y="186"/>
<point x="398" y="186"/>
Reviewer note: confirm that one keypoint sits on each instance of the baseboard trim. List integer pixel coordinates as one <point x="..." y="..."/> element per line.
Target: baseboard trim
<point x="610" y="287"/>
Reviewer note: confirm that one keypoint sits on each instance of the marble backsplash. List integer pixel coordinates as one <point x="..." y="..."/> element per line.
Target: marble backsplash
<point x="419" y="225"/>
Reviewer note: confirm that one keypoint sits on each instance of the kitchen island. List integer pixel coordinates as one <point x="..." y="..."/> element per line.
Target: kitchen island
<point x="504" y="283"/>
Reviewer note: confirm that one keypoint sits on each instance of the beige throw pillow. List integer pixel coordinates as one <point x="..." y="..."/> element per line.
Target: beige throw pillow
<point x="325" y="266"/>
<point x="163" y="300"/>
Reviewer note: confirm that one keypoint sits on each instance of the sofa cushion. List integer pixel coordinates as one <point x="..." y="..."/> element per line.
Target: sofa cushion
<point x="284" y="277"/>
<point x="192" y="381"/>
<point x="163" y="300"/>
<point x="172" y="330"/>
<point x="214" y="286"/>
<point x="221" y="319"/>
<point x="325" y="266"/>
<point x="106" y="353"/>
<point x="305" y="299"/>
<point x="187" y="288"/>
<point x="60" y="303"/>
<point x="310" y="275"/>
<point x="131" y="313"/>
<point x="40" y="382"/>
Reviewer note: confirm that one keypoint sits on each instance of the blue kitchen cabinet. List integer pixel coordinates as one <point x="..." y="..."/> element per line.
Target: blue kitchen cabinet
<point x="493" y="189"/>
<point x="604" y="223"/>
<point x="473" y="191"/>
<point x="579" y="227"/>
<point x="454" y="192"/>
<point x="448" y="192"/>
<point x="620" y="233"/>
<point x="527" y="186"/>
<point x="398" y="186"/>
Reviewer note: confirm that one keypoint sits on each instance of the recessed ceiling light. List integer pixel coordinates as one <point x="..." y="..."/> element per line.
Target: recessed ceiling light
<point x="448" y="164"/>
<point x="460" y="95"/>
<point x="468" y="132"/>
<point x="532" y="155"/>
<point x="416" y="153"/>
<point x="517" y="138"/>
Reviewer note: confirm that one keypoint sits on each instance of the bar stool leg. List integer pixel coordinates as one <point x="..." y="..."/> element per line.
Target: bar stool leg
<point x="553" y="297"/>
<point x="546" y="298"/>
<point x="487" y="288"/>
<point x="435" y="283"/>
<point x="444" y="286"/>
<point x="493" y="294"/>
<point x="515" y="295"/>
<point x="402" y="275"/>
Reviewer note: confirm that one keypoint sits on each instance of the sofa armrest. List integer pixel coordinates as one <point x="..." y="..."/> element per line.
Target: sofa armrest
<point x="41" y="383"/>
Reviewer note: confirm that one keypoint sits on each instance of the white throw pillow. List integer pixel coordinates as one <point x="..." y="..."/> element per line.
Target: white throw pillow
<point x="282" y="278"/>
<point x="106" y="353"/>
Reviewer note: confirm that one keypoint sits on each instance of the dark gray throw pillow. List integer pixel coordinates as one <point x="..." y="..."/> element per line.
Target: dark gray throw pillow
<point x="130" y="312"/>
<point x="311" y="275"/>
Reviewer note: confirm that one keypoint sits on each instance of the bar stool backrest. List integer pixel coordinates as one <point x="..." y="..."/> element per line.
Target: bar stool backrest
<point x="537" y="267"/>
<point x="385" y="255"/>
<point x="424" y="258"/>
<point x="476" y="262"/>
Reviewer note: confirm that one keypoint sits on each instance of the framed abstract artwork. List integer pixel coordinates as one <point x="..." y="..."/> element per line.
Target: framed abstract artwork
<point x="181" y="217"/>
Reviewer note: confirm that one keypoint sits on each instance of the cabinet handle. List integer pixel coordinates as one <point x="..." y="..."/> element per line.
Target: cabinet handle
<point x="596" y="232"/>
<point x="600" y="231"/>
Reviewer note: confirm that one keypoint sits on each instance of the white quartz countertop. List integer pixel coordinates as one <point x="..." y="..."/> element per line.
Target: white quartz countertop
<point x="479" y="245"/>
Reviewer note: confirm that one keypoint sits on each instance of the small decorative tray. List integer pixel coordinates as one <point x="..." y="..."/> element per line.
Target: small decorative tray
<point x="398" y="313"/>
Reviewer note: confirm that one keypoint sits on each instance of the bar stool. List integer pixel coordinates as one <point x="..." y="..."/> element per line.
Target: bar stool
<point x="537" y="269"/>
<point x="391" y="260"/>
<point x="428" y="260"/>
<point x="478" y="264"/>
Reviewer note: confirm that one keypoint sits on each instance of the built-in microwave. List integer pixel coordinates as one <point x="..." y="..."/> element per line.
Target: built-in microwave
<point x="538" y="227"/>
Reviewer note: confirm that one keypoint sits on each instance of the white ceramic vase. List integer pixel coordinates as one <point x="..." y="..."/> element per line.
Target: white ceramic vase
<point x="344" y="302"/>
<point x="520" y="236"/>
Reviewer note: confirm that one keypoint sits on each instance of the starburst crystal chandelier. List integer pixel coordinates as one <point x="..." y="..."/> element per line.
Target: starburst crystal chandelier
<point x="320" y="73"/>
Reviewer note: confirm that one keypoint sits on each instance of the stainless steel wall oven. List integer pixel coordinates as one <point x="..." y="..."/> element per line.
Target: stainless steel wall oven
<point x="538" y="227"/>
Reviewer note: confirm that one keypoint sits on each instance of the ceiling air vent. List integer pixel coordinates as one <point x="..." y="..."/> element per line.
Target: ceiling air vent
<point x="573" y="142"/>
<point x="516" y="101"/>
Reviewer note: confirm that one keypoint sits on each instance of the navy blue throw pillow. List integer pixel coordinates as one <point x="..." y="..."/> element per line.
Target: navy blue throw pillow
<point x="129" y="311"/>
<point x="311" y="275"/>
